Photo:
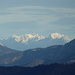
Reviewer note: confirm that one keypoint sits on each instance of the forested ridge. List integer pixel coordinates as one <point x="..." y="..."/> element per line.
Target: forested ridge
<point x="53" y="69"/>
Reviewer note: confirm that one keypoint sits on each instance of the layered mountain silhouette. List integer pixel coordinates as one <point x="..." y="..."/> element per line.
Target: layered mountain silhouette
<point x="30" y="41"/>
<point x="33" y="57"/>
<point x="5" y="50"/>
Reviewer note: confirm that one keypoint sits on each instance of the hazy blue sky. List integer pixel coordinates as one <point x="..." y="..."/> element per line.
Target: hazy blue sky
<point x="37" y="16"/>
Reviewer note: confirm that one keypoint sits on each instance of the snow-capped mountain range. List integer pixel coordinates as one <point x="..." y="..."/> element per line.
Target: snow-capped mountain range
<point x="25" y="38"/>
<point x="29" y="41"/>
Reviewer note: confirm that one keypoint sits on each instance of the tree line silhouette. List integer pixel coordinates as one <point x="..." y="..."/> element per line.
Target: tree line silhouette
<point x="52" y="69"/>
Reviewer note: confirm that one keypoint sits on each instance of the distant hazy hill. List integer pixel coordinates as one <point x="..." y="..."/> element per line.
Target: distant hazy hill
<point x="30" y="41"/>
<point x="5" y="50"/>
<point x="33" y="57"/>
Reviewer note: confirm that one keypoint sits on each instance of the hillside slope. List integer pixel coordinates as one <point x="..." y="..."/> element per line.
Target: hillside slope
<point x="33" y="57"/>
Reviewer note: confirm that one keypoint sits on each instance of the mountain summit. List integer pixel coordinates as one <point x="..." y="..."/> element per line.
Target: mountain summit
<point x="60" y="36"/>
<point x="26" y="37"/>
<point x="29" y="41"/>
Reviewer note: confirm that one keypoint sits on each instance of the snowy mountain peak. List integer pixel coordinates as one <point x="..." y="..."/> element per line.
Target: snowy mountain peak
<point x="60" y="36"/>
<point x="17" y="38"/>
<point x="56" y="35"/>
<point x="26" y="37"/>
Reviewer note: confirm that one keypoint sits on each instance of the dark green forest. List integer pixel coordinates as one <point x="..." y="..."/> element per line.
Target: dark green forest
<point x="52" y="69"/>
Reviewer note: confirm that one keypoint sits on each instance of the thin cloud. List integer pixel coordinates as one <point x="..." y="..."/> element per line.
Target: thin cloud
<point x="35" y="13"/>
<point x="38" y="8"/>
<point x="56" y="9"/>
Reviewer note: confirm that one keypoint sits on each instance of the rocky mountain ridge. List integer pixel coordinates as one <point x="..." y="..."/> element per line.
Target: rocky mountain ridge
<point x="30" y="41"/>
